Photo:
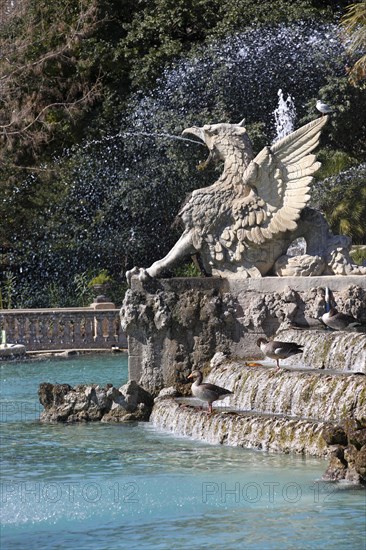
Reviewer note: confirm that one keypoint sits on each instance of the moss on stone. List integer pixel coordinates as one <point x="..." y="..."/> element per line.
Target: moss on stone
<point x="306" y="394"/>
<point x="362" y="397"/>
<point x="324" y="351"/>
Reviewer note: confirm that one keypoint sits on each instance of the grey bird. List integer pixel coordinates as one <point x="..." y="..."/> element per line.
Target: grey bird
<point x="339" y="321"/>
<point x="278" y="350"/>
<point x="205" y="391"/>
<point x="323" y="108"/>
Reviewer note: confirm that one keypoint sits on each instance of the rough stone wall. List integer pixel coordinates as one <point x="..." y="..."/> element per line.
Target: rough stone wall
<point x="176" y="325"/>
<point x="347" y="444"/>
<point x="172" y="331"/>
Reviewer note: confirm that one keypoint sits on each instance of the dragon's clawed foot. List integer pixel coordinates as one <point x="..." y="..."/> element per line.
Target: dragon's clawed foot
<point x="130" y="273"/>
<point x="142" y="273"/>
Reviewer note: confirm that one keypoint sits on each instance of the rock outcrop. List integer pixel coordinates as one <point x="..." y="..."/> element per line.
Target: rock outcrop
<point x="348" y="451"/>
<point x="170" y="333"/>
<point x="90" y="403"/>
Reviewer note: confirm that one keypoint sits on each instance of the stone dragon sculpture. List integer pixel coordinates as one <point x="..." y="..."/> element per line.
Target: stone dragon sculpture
<point x="242" y="225"/>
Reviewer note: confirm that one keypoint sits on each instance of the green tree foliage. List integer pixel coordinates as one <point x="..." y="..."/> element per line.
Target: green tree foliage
<point x="354" y="25"/>
<point x="43" y="86"/>
<point x="59" y="82"/>
<point x="110" y="215"/>
<point x="346" y="130"/>
<point x="163" y="29"/>
<point x="56" y="67"/>
<point x="342" y="198"/>
<point x="68" y="65"/>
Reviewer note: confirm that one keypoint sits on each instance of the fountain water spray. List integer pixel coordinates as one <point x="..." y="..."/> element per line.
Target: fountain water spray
<point x="285" y="116"/>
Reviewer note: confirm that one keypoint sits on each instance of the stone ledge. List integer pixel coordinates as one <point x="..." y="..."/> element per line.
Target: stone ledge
<point x="278" y="284"/>
<point x="258" y="284"/>
<point x="312" y="394"/>
<point x="250" y="430"/>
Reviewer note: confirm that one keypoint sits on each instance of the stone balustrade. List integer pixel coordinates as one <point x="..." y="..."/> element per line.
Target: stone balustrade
<point x="63" y="329"/>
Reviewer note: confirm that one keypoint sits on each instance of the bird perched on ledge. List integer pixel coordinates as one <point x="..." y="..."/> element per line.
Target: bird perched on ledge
<point x="324" y="108"/>
<point x="339" y="321"/>
<point x="278" y="350"/>
<point x="205" y="391"/>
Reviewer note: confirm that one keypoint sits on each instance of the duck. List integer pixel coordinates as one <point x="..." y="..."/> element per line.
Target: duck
<point x="207" y="392"/>
<point x="339" y="321"/>
<point x="278" y="350"/>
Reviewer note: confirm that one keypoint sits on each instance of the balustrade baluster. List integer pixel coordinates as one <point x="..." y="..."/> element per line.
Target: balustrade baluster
<point x="63" y="328"/>
<point x="42" y="330"/>
<point x="98" y="330"/>
<point x="67" y="332"/>
<point x="21" y="329"/>
<point x="27" y="333"/>
<point x="79" y="331"/>
<point x="33" y="330"/>
<point x="89" y="330"/>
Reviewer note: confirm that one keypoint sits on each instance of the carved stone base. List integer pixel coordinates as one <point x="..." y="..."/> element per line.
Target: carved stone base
<point x="299" y="266"/>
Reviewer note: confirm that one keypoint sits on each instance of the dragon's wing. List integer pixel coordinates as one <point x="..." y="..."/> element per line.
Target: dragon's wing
<point x="280" y="176"/>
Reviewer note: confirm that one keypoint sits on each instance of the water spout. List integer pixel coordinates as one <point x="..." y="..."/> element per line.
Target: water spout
<point x="285" y="116"/>
<point x="162" y="135"/>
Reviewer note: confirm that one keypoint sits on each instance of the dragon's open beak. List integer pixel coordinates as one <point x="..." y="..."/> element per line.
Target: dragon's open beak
<point x="200" y="134"/>
<point x="195" y="131"/>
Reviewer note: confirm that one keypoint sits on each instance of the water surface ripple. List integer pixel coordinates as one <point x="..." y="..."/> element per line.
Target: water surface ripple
<point x="112" y="486"/>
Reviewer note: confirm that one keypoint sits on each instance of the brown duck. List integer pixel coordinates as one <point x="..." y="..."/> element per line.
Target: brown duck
<point x="339" y="321"/>
<point x="205" y="391"/>
<point x="278" y="350"/>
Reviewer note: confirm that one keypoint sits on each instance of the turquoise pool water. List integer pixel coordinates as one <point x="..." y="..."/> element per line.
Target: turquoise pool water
<point x="103" y="486"/>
